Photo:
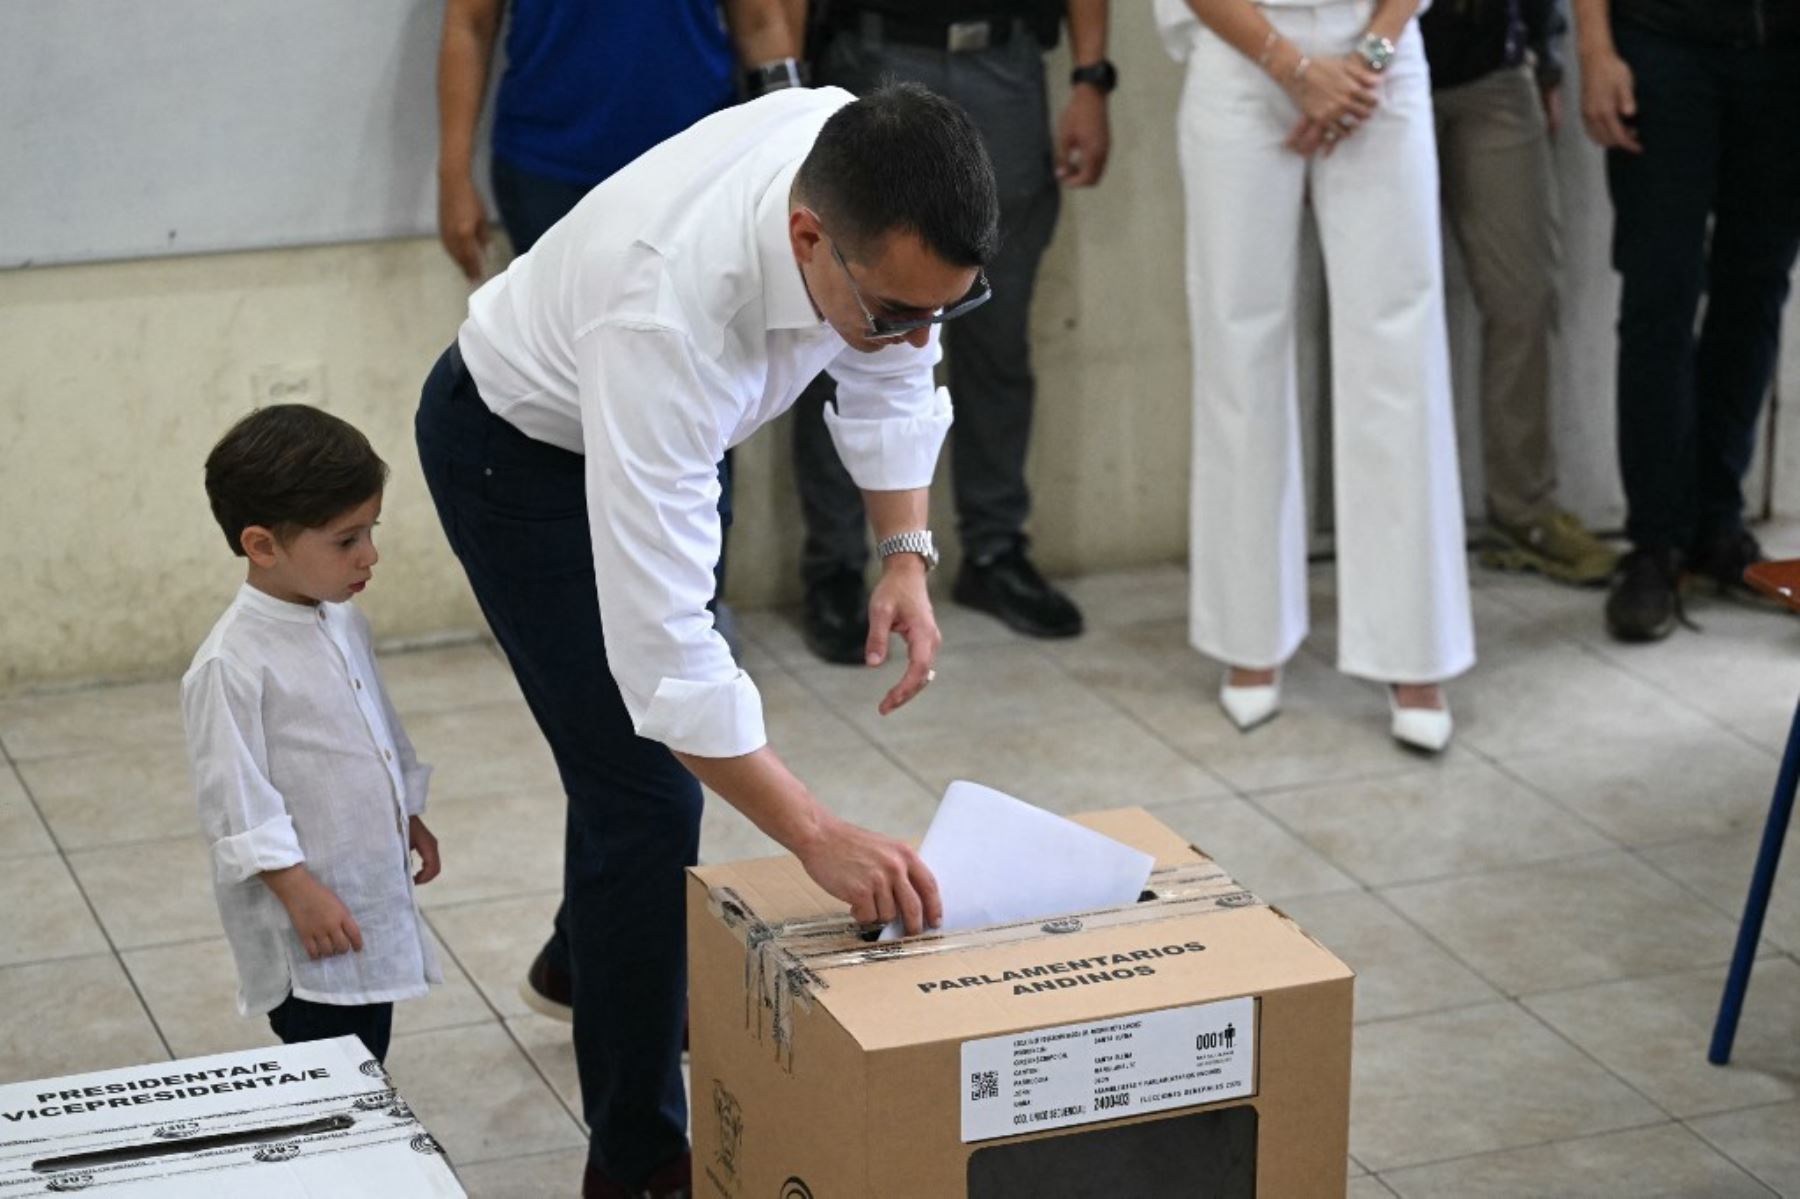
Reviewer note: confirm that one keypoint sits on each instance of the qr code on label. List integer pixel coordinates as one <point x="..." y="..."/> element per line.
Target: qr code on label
<point x="984" y="1084"/>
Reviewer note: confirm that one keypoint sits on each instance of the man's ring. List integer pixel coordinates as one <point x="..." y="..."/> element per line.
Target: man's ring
<point x="931" y="676"/>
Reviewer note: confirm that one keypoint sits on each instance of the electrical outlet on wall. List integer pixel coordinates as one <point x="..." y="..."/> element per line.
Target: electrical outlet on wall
<point x="288" y="383"/>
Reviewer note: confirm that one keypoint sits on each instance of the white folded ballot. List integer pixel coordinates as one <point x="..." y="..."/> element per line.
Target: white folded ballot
<point x="287" y="1122"/>
<point x="998" y="860"/>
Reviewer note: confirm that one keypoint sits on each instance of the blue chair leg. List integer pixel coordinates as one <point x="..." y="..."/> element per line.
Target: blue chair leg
<point x="1762" y="882"/>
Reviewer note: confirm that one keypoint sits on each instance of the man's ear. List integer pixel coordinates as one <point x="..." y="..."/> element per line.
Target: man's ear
<point x="805" y="233"/>
<point x="259" y="545"/>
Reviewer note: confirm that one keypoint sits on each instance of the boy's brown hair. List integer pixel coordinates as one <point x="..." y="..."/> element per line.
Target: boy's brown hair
<point x="289" y="467"/>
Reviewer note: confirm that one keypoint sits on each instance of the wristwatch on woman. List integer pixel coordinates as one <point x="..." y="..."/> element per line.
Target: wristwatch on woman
<point x="1375" y="51"/>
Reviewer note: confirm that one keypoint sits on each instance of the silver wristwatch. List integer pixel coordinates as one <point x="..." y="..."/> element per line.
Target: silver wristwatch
<point x="1375" y="51"/>
<point x="916" y="542"/>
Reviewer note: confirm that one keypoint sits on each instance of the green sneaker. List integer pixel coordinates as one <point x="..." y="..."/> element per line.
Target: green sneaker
<point x="1557" y="547"/>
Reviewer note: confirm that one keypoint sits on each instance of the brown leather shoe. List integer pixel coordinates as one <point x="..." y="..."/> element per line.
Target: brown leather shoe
<point x="672" y="1181"/>
<point x="547" y="989"/>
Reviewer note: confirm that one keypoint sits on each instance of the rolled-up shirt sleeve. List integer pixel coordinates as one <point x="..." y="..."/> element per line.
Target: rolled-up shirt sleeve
<point x="650" y="429"/>
<point x="891" y="419"/>
<point x="241" y="812"/>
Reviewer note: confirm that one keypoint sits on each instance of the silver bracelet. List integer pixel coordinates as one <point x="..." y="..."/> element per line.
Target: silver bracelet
<point x="1268" y="49"/>
<point x="1300" y="69"/>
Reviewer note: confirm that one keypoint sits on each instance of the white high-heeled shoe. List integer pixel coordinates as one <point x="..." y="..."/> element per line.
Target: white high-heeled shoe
<point x="1427" y="729"/>
<point x="1250" y="706"/>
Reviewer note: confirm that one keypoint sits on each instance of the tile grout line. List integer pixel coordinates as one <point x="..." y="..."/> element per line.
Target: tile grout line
<point x="1555" y="1141"/>
<point x="1721" y="1150"/>
<point x="86" y="899"/>
<point x="1638" y="852"/>
<point x="1516" y="1001"/>
<point x="500" y="1018"/>
<point x="1131" y="717"/>
<point x="1666" y="1122"/>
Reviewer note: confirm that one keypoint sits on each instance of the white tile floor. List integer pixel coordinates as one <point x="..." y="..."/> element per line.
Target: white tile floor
<point x="1540" y="919"/>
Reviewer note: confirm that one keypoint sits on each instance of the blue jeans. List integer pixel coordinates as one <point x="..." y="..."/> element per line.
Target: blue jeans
<point x="515" y="513"/>
<point x="295" y="1020"/>
<point x="1718" y="127"/>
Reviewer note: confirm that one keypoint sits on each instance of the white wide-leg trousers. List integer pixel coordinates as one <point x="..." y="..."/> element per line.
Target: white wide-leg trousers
<point x="1402" y="576"/>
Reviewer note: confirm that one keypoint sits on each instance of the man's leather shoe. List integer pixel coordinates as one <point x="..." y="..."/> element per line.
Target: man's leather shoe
<point x="548" y="990"/>
<point x="1645" y="602"/>
<point x="672" y="1181"/>
<point x="836" y="621"/>
<point x="1009" y="586"/>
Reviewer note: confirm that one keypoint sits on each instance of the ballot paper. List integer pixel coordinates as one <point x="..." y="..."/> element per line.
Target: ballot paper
<point x="998" y="859"/>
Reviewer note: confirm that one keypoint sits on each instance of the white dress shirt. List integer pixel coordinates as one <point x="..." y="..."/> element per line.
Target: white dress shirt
<point x="298" y="756"/>
<point x="660" y="323"/>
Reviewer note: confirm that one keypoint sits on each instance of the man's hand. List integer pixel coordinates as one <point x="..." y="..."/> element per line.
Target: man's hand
<point x="900" y="604"/>
<point x="1609" y="101"/>
<point x="462" y="223"/>
<point x="880" y="878"/>
<point x="1084" y="138"/>
<point x="324" y="924"/>
<point x="426" y="846"/>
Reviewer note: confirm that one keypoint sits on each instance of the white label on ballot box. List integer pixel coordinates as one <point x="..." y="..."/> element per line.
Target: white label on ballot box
<point x="1108" y="1070"/>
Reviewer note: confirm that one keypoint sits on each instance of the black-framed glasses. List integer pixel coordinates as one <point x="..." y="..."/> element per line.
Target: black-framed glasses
<point x="888" y="328"/>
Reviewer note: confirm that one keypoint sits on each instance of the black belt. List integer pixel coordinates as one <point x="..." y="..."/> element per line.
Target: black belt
<point x="955" y="37"/>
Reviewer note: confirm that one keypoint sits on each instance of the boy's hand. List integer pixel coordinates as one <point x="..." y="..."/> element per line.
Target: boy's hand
<point x="325" y="926"/>
<point x="427" y="847"/>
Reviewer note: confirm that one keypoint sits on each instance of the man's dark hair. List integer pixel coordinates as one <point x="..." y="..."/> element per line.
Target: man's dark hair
<point x="904" y="159"/>
<point x="289" y="467"/>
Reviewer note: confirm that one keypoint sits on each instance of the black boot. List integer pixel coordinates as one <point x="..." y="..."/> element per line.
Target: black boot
<point x="1009" y="586"/>
<point x="837" y="618"/>
<point x="1722" y="558"/>
<point x="1645" y="602"/>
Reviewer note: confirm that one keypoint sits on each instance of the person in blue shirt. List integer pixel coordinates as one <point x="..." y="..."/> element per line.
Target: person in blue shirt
<point x="587" y="88"/>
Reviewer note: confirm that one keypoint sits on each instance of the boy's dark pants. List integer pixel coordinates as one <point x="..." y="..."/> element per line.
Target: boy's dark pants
<point x="515" y="513"/>
<point x="1718" y="127"/>
<point x="296" y="1020"/>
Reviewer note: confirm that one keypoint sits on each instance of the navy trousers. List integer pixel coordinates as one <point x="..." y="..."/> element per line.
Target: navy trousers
<point x="515" y="513"/>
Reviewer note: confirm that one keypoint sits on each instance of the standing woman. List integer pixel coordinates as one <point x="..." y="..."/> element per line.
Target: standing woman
<point x="1331" y="98"/>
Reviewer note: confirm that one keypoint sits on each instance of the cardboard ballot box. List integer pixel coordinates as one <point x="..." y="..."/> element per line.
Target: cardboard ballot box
<point x="292" y="1122"/>
<point x="1194" y="1044"/>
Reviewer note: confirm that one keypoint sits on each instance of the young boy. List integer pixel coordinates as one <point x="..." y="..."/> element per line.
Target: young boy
<point x="309" y="789"/>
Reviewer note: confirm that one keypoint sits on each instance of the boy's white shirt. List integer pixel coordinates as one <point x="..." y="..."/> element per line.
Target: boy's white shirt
<point x="298" y="756"/>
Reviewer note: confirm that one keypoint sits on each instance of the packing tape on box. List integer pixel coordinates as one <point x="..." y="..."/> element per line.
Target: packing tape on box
<point x="786" y="961"/>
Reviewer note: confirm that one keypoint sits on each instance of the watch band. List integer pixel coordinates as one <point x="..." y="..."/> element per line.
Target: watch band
<point x="774" y="76"/>
<point x="1375" y="51"/>
<point x="916" y="541"/>
<point x="1102" y="75"/>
